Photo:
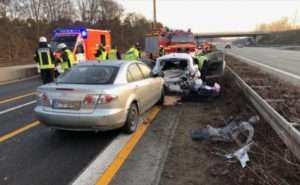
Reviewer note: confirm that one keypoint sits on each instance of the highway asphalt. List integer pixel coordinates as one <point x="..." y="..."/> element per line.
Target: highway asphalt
<point x="40" y="155"/>
<point x="285" y="60"/>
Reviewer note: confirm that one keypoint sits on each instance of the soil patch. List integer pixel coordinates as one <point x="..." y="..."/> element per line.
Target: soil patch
<point x="192" y="162"/>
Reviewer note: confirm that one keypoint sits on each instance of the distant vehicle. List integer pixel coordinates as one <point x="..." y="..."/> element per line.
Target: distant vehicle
<point x="179" y="66"/>
<point x="227" y="46"/>
<point x="97" y="95"/>
<point x="81" y="41"/>
<point x="173" y="41"/>
<point x="240" y="45"/>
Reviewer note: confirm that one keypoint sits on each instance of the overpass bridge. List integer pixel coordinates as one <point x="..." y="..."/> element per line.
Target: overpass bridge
<point x="228" y="34"/>
<point x="255" y="35"/>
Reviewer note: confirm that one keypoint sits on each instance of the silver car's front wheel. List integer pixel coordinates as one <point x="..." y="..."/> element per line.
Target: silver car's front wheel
<point x="132" y="119"/>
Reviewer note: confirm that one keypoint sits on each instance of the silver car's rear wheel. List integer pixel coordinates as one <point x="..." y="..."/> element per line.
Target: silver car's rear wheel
<point x="132" y="119"/>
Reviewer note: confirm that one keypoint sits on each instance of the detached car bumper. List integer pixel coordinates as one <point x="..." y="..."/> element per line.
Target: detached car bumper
<point x="99" y="119"/>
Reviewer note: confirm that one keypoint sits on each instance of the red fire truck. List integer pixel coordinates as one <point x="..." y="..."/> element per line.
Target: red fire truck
<point x="81" y="41"/>
<point x="173" y="41"/>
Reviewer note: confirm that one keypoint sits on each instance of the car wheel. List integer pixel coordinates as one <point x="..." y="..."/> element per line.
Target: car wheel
<point x="162" y="97"/>
<point x="132" y="119"/>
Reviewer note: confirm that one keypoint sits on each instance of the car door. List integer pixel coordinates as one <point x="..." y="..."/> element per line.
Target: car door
<point x="140" y="85"/>
<point x="216" y="65"/>
<point x="154" y="88"/>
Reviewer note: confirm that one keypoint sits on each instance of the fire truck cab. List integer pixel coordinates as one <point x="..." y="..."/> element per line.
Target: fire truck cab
<point x="172" y="41"/>
<point x="81" y="41"/>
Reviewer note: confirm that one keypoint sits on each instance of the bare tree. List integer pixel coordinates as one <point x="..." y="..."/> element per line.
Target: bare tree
<point x="4" y="7"/>
<point x="58" y="9"/>
<point x="31" y="8"/>
<point x="110" y="10"/>
<point x="88" y="10"/>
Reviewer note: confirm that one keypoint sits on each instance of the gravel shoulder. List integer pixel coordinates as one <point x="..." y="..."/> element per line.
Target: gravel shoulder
<point x="192" y="162"/>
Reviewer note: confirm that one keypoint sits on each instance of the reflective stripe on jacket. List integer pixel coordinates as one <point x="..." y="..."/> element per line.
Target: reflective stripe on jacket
<point x="45" y="58"/>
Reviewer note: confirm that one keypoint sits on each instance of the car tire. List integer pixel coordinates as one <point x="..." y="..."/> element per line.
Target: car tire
<point x="162" y="97"/>
<point x="131" y="120"/>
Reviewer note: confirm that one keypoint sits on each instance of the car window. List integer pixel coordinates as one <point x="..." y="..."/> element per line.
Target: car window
<point x="80" y="48"/>
<point x="135" y="72"/>
<point x="174" y="64"/>
<point x="145" y="69"/>
<point x="129" y="77"/>
<point x="89" y="75"/>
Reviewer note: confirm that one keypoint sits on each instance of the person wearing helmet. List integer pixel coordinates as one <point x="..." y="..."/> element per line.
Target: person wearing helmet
<point x="161" y="51"/>
<point x="101" y="53"/>
<point x="45" y="58"/>
<point x="132" y="54"/>
<point x="66" y="57"/>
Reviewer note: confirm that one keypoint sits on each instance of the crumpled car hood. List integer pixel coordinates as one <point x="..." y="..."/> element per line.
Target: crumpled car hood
<point x="174" y="75"/>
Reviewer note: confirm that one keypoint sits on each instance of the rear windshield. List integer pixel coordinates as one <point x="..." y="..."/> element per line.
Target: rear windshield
<point x="173" y="64"/>
<point x="89" y="75"/>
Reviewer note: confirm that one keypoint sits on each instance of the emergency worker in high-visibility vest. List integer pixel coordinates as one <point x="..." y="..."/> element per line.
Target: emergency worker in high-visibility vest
<point x="132" y="54"/>
<point x="45" y="58"/>
<point x="161" y="51"/>
<point x="113" y="53"/>
<point x="67" y="57"/>
<point x="101" y="52"/>
<point x="203" y="62"/>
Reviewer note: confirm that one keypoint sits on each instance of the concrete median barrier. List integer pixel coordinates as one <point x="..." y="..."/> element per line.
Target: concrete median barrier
<point x="17" y="72"/>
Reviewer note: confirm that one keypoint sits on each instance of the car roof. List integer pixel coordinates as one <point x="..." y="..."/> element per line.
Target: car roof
<point x="116" y="63"/>
<point x="176" y="55"/>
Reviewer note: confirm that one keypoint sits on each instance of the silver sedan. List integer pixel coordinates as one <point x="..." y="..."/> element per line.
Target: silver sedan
<point x="96" y="95"/>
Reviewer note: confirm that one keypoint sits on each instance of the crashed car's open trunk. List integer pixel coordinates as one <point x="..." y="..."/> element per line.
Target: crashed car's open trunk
<point x="174" y="75"/>
<point x="174" y="69"/>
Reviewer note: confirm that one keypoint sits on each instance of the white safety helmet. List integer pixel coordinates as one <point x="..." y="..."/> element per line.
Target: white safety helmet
<point x="43" y="39"/>
<point x="61" y="46"/>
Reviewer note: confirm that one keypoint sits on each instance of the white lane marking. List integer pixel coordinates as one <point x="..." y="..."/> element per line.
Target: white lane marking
<point x="100" y="163"/>
<point x="17" y="107"/>
<point x="266" y="66"/>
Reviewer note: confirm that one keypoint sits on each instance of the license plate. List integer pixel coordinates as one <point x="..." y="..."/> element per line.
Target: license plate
<point x="58" y="104"/>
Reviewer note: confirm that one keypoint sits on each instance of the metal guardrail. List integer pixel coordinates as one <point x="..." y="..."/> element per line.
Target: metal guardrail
<point x="17" y="72"/>
<point x="285" y="130"/>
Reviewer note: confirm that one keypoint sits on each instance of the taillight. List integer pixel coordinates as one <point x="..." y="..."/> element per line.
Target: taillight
<point x="90" y="99"/>
<point x="42" y="99"/>
<point x="105" y="98"/>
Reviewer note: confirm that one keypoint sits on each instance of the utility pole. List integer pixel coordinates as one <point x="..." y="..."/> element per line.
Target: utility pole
<point x="154" y="14"/>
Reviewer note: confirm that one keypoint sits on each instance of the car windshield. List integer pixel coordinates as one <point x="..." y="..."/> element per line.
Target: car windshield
<point x="89" y="75"/>
<point x="181" y="38"/>
<point x="69" y="40"/>
<point x="173" y="64"/>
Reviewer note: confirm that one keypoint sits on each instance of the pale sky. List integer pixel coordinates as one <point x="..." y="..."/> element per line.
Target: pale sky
<point x="215" y="15"/>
